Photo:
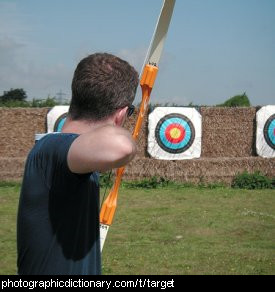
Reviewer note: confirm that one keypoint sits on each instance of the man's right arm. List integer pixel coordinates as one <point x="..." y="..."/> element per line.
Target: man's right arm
<point x="100" y="150"/>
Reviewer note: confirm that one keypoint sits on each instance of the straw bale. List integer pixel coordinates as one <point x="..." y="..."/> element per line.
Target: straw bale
<point x="11" y="169"/>
<point x="17" y="129"/>
<point x="142" y="139"/>
<point x="203" y="170"/>
<point x="228" y="147"/>
<point x="228" y="132"/>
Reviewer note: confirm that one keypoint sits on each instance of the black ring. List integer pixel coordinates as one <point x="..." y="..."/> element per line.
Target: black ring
<point x="164" y="147"/>
<point x="56" y="124"/>
<point x="266" y="127"/>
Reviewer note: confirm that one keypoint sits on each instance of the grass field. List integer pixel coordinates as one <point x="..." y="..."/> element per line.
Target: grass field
<point x="174" y="230"/>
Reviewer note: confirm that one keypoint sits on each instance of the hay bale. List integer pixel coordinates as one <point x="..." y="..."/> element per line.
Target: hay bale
<point x="142" y="139"/>
<point x="203" y="170"/>
<point x="228" y="146"/>
<point x="11" y="169"/>
<point x="17" y="129"/>
<point x="228" y="132"/>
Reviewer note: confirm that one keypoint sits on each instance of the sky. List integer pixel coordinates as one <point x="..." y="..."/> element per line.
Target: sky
<point x="215" y="49"/>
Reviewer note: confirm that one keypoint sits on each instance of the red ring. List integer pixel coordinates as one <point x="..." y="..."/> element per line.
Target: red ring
<point x="171" y="139"/>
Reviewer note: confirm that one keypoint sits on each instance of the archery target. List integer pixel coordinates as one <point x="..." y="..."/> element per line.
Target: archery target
<point x="56" y="118"/>
<point x="265" y="141"/>
<point x="174" y="133"/>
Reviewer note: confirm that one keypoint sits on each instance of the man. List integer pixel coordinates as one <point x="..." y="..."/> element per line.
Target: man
<point x="58" y="217"/>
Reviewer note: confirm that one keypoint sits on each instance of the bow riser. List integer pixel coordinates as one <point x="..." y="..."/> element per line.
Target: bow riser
<point x="146" y="82"/>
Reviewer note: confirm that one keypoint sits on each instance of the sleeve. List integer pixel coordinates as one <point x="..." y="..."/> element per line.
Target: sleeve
<point x="54" y="151"/>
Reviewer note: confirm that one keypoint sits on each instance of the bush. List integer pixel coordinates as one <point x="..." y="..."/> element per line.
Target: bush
<point x="17" y="94"/>
<point x="14" y="103"/>
<point x="150" y="183"/>
<point x="237" y="101"/>
<point x="106" y="179"/>
<point x="252" y="181"/>
<point x="49" y="102"/>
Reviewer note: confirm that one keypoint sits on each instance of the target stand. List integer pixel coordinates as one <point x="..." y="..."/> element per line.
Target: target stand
<point x="174" y="133"/>
<point x="265" y="141"/>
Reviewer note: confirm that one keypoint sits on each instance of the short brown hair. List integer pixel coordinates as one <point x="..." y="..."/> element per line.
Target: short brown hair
<point x="102" y="83"/>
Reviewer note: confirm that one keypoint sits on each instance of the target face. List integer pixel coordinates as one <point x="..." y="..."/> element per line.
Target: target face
<point x="56" y="118"/>
<point x="265" y="133"/>
<point x="269" y="132"/>
<point x="175" y="133"/>
<point x="60" y="123"/>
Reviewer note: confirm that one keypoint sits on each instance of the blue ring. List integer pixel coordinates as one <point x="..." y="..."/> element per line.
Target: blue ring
<point x="164" y="143"/>
<point x="169" y="144"/>
<point x="270" y="132"/>
<point x="60" y="125"/>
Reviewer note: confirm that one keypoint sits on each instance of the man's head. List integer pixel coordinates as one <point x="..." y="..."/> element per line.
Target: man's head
<point x="101" y="85"/>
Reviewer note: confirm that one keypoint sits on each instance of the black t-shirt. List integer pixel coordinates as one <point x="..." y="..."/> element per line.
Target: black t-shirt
<point x="58" y="216"/>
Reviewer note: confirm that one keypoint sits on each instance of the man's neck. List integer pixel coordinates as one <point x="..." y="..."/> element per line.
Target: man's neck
<point x="82" y="126"/>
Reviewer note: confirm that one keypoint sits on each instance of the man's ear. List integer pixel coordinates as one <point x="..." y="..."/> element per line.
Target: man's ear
<point x="120" y="116"/>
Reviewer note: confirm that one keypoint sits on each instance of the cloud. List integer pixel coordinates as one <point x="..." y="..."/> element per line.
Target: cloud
<point x="21" y="65"/>
<point x="19" y="71"/>
<point x="134" y="56"/>
<point x="11" y="22"/>
<point x="9" y="48"/>
<point x="11" y="28"/>
<point x="10" y="51"/>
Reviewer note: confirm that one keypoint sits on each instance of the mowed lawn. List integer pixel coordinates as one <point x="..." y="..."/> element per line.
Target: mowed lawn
<point x="174" y="230"/>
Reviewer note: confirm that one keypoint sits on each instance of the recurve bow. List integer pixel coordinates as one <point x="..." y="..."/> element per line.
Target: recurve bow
<point x="147" y="80"/>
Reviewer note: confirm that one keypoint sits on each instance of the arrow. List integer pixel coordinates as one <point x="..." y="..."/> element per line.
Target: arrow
<point x="147" y="80"/>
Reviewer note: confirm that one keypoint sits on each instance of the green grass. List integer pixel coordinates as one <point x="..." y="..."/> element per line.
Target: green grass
<point x="9" y="193"/>
<point x="174" y="230"/>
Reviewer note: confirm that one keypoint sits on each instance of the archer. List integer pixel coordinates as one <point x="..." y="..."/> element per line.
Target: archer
<point x="58" y="217"/>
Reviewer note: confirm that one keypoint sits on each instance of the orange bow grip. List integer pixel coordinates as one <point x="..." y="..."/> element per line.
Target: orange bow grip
<point x="109" y="206"/>
<point x="147" y="82"/>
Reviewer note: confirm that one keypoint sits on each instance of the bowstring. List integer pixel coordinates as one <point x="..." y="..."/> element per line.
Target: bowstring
<point x="104" y="195"/>
<point x="109" y="176"/>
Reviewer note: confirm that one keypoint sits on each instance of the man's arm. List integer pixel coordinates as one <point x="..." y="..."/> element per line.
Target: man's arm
<point x="102" y="149"/>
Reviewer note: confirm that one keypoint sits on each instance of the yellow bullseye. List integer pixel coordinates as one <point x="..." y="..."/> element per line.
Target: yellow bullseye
<point x="175" y="133"/>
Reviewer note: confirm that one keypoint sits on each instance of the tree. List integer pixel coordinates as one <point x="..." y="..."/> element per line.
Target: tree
<point x="237" y="101"/>
<point x="18" y="94"/>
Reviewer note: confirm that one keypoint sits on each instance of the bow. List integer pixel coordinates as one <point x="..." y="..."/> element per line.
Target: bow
<point x="147" y="80"/>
